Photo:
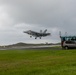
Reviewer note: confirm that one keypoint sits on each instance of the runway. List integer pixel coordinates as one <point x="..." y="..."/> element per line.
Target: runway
<point x="29" y="47"/>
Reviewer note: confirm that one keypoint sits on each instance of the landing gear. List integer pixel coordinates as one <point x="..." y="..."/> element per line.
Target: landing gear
<point x="40" y="37"/>
<point x="35" y="37"/>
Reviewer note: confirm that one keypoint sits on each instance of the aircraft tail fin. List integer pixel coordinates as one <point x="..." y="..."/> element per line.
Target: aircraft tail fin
<point x="40" y="31"/>
<point x="45" y="31"/>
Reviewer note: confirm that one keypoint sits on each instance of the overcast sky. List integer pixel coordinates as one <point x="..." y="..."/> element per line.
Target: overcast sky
<point x="17" y="16"/>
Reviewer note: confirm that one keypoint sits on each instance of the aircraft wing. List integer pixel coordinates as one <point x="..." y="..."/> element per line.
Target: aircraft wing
<point x="35" y="33"/>
<point x="32" y="33"/>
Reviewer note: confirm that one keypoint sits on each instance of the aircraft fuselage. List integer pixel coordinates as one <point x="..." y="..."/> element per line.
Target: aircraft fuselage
<point x="36" y="34"/>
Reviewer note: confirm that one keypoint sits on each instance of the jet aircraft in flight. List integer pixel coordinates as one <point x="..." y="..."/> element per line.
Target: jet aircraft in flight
<point x="37" y="34"/>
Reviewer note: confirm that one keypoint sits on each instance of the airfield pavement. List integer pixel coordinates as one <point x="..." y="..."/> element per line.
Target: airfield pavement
<point x="32" y="47"/>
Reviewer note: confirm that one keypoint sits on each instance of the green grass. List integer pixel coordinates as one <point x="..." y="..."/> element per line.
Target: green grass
<point x="38" y="62"/>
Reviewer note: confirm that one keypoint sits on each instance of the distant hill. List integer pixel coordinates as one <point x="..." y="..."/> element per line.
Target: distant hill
<point x="19" y="44"/>
<point x="26" y="44"/>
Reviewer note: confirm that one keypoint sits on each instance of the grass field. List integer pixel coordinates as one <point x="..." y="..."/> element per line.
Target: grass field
<point x="38" y="62"/>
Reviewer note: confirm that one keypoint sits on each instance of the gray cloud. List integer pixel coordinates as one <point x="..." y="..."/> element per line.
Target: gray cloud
<point x="19" y="15"/>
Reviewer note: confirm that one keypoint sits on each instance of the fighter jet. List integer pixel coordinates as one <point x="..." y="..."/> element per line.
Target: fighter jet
<point x="37" y="34"/>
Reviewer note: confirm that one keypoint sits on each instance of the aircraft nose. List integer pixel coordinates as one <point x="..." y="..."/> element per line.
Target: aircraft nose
<point x="24" y="31"/>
